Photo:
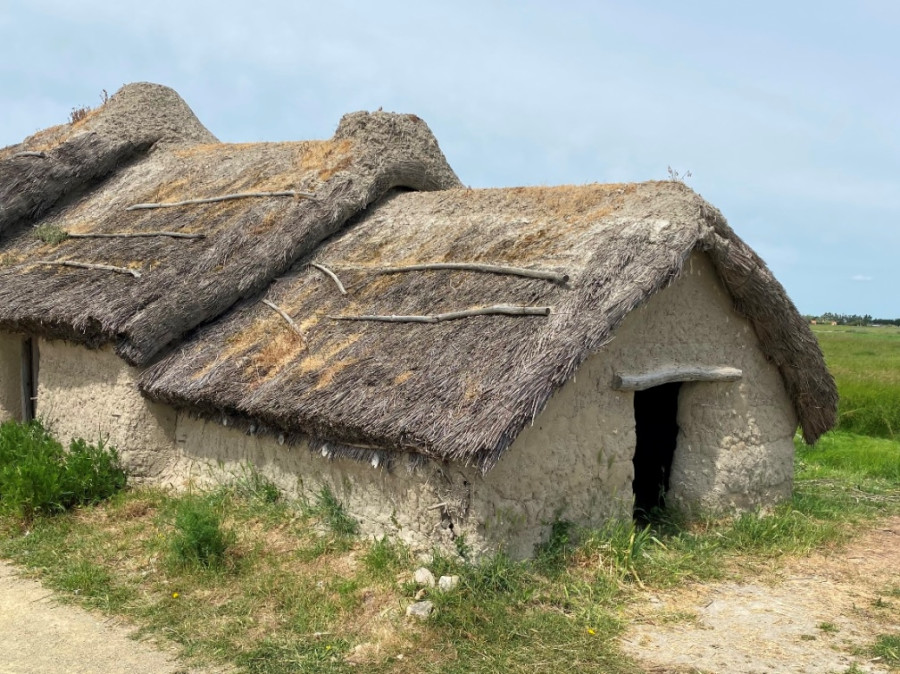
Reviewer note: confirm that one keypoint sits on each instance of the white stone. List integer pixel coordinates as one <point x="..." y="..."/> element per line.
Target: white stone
<point x="448" y="583"/>
<point x="420" y="610"/>
<point x="423" y="576"/>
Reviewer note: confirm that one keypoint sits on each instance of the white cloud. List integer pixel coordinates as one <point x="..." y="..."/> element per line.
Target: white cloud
<point x="861" y="277"/>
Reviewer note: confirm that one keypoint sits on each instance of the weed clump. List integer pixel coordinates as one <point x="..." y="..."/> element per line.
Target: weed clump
<point x="200" y="540"/>
<point x="328" y="509"/>
<point x="887" y="647"/>
<point x="50" y="234"/>
<point x="254" y="486"/>
<point x="385" y="558"/>
<point x="552" y="556"/>
<point x="78" y="114"/>
<point x="38" y="476"/>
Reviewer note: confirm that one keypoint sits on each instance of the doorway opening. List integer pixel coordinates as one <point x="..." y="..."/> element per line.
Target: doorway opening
<point x="29" y="378"/>
<point x="656" y="426"/>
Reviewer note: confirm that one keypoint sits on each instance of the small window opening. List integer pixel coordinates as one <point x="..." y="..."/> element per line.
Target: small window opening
<point x="656" y="426"/>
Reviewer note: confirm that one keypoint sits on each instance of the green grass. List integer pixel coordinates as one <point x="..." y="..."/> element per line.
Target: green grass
<point x="865" y="363"/>
<point x="295" y="592"/>
<point x="241" y="576"/>
<point x="332" y="513"/>
<point x="848" y="454"/>
<point x="887" y="647"/>
<point x="199" y="539"/>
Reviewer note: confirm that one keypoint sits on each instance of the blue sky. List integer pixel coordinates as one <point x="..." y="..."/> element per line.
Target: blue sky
<point x="785" y="113"/>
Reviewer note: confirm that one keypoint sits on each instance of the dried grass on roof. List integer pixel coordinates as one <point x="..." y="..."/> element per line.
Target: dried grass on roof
<point x="145" y="145"/>
<point x="463" y="390"/>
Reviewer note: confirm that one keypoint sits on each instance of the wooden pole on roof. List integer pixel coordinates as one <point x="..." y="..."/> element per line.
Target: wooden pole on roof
<point x="224" y="197"/>
<point x="496" y="310"/>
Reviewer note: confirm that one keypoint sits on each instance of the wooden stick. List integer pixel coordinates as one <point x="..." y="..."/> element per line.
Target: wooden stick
<point x="87" y="265"/>
<point x="42" y="155"/>
<point x="325" y="270"/>
<point x="558" y="277"/>
<point x="499" y="309"/>
<point x="224" y="197"/>
<point x="135" y="235"/>
<point x="283" y="313"/>
<point x="640" y="382"/>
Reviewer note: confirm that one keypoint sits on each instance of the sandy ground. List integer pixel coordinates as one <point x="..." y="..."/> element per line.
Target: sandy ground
<point x="39" y="635"/>
<point x="814" y="615"/>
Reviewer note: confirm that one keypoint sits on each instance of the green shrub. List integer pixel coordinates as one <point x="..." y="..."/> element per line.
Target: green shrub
<point x="31" y="470"/>
<point x="93" y="473"/>
<point x="199" y="539"/>
<point x="38" y="476"/>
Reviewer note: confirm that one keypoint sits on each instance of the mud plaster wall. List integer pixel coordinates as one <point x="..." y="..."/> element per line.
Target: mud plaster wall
<point x="396" y="502"/>
<point x="10" y="377"/>
<point x="735" y="444"/>
<point x="85" y="393"/>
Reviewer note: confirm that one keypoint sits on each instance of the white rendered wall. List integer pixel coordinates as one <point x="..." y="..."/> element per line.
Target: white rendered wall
<point x="89" y="393"/>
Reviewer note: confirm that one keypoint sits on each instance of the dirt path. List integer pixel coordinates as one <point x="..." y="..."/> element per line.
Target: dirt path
<point x="815" y="615"/>
<point x="38" y="634"/>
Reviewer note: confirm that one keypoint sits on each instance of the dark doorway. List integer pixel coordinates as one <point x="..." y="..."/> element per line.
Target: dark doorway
<point x="656" y="426"/>
<point x="29" y="378"/>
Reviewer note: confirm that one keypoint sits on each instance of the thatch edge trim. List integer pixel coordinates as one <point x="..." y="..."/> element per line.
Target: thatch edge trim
<point x="789" y="344"/>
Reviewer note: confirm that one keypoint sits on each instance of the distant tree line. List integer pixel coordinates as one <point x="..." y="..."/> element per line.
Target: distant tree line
<point x="852" y="319"/>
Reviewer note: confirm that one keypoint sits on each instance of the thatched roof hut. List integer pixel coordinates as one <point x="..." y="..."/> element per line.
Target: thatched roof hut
<point x="608" y="342"/>
<point x="462" y="390"/>
<point x="146" y="146"/>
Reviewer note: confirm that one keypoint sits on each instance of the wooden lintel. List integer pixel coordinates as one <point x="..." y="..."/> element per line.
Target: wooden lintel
<point x="639" y="382"/>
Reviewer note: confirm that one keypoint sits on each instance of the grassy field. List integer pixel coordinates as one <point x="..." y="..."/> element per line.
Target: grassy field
<point x="239" y="576"/>
<point x="865" y="363"/>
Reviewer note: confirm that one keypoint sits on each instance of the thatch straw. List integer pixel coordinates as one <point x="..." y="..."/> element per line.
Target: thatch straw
<point x="464" y="390"/>
<point x="145" y="146"/>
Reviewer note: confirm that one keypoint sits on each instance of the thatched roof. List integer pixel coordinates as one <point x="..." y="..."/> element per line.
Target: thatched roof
<point x="463" y="390"/>
<point x="145" y="145"/>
